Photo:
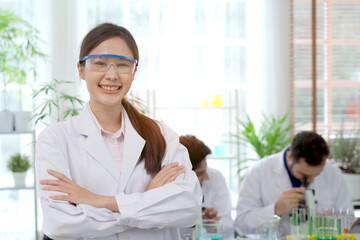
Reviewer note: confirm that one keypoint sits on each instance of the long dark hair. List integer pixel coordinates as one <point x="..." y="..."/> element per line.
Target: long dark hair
<point x="147" y="128"/>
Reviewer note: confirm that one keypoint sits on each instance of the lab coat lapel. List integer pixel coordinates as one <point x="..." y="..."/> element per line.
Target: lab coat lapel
<point x="95" y="145"/>
<point x="280" y="174"/>
<point x="133" y="146"/>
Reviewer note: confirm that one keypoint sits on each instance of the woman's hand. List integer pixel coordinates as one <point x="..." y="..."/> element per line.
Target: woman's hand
<point x="210" y="213"/>
<point x="167" y="174"/>
<point x="74" y="193"/>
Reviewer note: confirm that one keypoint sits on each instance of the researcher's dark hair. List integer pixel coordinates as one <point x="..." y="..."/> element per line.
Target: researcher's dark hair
<point x="310" y="146"/>
<point x="196" y="148"/>
<point x="147" y="128"/>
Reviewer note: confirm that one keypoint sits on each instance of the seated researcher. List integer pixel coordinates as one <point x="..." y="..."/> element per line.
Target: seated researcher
<point x="273" y="184"/>
<point x="216" y="196"/>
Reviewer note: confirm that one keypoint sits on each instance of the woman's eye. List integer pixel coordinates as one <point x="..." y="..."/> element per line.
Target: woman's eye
<point x="99" y="63"/>
<point x="122" y="65"/>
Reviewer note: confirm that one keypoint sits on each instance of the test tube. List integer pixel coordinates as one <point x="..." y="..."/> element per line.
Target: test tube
<point x="324" y="224"/>
<point x="331" y="222"/>
<point x="339" y="224"/>
<point x="302" y="222"/>
<point x="310" y="226"/>
<point x="317" y="224"/>
<point x="345" y="212"/>
<point x="295" y="224"/>
<point x="337" y="220"/>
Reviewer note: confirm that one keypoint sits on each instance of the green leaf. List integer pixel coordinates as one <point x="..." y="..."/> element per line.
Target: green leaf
<point x="19" y="50"/>
<point x="345" y="149"/>
<point x="51" y="107"/>
<point x="271" y="137"/>
<point x="18" y="163"/>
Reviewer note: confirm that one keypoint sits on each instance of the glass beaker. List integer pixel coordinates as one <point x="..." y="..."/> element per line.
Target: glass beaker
<point x="209" y="229"/>
<point x="269" y="229"/>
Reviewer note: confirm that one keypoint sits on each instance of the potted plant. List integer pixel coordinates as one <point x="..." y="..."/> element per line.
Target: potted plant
<point x="19" y="51"/>
<point x="272" y="136"/>
<point x="345" y="151"/>
<point x="19" y="164"/>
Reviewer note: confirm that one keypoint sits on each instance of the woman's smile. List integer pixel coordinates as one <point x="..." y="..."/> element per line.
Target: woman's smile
<point x="110" y="89"/>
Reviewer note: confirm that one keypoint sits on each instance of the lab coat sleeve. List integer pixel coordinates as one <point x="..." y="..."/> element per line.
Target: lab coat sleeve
<point x="63" y="220"/>
<point x="176" y="204"/>
<point x="222" y="203"/>
<point x="250" y="207"/>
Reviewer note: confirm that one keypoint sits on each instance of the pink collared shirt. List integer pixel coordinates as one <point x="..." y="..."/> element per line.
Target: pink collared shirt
<point x="114" y="141"/>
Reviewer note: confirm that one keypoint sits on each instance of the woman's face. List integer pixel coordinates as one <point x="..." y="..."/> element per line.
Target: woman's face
<point x="107" y="89"/>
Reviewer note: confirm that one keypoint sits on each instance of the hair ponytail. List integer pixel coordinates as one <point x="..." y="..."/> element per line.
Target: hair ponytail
<point x="149" y="130"/>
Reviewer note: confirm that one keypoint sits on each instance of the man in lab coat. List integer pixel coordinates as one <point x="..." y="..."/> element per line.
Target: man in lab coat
<point x="273" y="186"/>
<point x="216" y="196"/>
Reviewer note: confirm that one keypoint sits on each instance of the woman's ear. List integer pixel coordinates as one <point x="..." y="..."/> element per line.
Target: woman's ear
<point x="81" y="71"/>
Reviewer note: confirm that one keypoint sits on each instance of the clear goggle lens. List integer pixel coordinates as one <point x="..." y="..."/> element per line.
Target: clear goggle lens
<point x="122" y="65"/>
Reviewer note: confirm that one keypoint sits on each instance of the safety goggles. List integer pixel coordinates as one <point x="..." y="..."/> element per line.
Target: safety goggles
<point x="102" y="63"/>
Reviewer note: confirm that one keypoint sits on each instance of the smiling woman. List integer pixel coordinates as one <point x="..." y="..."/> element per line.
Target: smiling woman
<point x="107" y="85"/>
<point x="111" y="171"/>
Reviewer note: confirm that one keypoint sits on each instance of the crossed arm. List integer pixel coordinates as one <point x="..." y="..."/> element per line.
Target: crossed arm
<point x="79" y="195"/>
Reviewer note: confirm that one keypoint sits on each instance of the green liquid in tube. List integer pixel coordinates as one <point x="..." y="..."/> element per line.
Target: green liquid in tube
<point x="338" y="225"/>
<point x="310" y="225"/>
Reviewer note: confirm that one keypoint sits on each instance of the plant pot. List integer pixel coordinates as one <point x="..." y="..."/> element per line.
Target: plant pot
<point x="19" y="179"/>
<point x="7" y="121"/>
<point x="353" y="184"/>
<point x="23" y="122"/>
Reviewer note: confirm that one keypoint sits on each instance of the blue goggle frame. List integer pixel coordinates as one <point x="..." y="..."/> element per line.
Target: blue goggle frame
<point x="107" y="55"/>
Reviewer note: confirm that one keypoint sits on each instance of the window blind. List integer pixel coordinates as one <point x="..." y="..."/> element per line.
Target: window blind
<point x="337" y="65"/>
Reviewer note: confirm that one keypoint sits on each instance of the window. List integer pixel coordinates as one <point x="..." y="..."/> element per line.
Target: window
<point x="338" y="67"/>
<point x="181" y="41"/>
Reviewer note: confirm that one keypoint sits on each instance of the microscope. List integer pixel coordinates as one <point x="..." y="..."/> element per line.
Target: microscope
<point x="304" y="215"/>
<point x="308" y="202"/>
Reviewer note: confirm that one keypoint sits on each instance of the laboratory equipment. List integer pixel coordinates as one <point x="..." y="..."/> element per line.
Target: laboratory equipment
<point x="326" y="225"/>
<point x="269" y="230"/>
<point x="299" y="225"/>
<point x="308" y="202"/>
<point x="209" y="229"/>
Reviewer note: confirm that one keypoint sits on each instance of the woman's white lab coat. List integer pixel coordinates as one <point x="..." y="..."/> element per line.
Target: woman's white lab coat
<point x="76" y="149"/>
<point x="265" y="182"/>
